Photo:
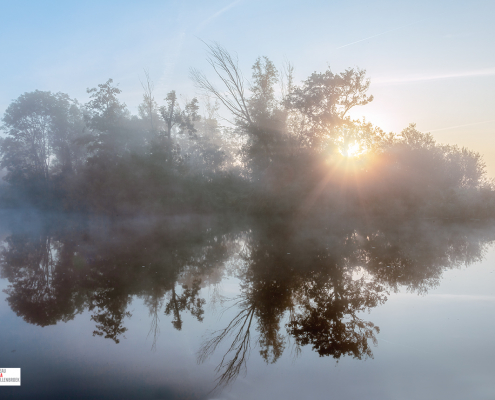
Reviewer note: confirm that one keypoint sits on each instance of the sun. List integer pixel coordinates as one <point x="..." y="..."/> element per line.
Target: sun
<point x="353" y="150"/>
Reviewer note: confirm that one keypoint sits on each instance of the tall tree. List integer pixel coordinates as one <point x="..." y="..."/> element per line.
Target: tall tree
<point x="108" y="122"/>
<point x="148" y="109"/>
<point x="183" y="119"/>
<point x="323" y="101"/>
<point x="262" y="100"/>
<point x="41" y="128"/>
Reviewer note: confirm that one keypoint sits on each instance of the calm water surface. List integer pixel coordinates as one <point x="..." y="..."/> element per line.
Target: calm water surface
<point x="203" y="307"/>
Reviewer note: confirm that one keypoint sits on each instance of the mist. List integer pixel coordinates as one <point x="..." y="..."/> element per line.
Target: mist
<point x="264" y="145"/>
<point x="319" y="216"/>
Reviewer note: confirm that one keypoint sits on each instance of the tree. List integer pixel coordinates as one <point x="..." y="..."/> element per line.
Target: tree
<point x="41" y="131"/>
<point x="70" y="157"/>
<point x="148" y="109"/>
<point x="227" y="69"/>
<point x="104" y="107"/>
<point x="263" y="102"/>
<point x="278" y="130"/>
<point x="323" y="101"/>
<point x="174" y="116"/>
<point x="107" y="119"/>
<point x="257" y="116"/>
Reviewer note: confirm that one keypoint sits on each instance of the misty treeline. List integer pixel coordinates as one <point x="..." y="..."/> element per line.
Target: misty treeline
<point x="277" y="148"/>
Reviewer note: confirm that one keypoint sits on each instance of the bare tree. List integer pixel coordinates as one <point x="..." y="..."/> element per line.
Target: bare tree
<point x="149" y="105"/>
<point x="287" y="79"/>
<point x="227" y="68"/>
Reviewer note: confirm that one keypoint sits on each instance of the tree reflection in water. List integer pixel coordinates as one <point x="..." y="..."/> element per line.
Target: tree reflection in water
<point x="318" y="283"/>
<point x="315" y="281"/>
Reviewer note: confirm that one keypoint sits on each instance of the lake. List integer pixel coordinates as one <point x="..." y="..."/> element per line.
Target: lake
<point x="221" y="307"/>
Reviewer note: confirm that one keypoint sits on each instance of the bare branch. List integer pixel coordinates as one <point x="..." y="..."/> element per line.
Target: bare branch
<point x="240" y="328"/>
<point x="227" y="69"/>
<point x="148" y="87"/>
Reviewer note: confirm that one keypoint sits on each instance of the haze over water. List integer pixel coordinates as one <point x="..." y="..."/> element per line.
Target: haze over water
<point x="245" y="200"/>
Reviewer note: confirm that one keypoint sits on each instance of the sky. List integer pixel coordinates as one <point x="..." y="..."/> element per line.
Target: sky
<point x="430" y="62"/>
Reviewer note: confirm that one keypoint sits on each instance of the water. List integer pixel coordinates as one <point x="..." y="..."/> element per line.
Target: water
<point x="377" y="310"/>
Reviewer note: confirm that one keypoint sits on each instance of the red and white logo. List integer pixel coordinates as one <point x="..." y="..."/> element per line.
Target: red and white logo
<point x="10" y="377"/>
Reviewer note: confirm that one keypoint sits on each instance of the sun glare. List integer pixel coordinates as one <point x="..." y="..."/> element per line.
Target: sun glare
<point x="353" y="150"/>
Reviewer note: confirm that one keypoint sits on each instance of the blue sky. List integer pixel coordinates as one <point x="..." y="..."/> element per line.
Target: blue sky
<point x="430" y="62"/>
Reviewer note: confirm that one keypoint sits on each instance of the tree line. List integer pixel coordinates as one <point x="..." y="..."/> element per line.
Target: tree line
<point x="285" y="149"/>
